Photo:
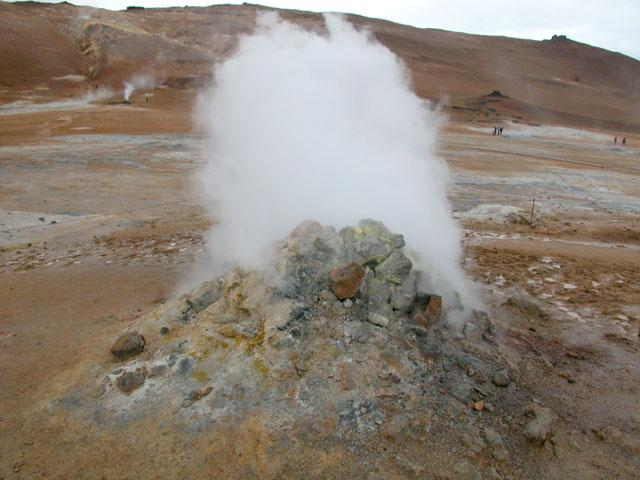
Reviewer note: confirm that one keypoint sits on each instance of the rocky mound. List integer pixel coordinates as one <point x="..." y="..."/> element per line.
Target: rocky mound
<point x="339" y="349"/>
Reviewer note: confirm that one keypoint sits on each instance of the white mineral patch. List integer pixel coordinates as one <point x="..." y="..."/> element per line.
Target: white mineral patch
<point x="489" y="212"/>
<point x="70" y="78"/>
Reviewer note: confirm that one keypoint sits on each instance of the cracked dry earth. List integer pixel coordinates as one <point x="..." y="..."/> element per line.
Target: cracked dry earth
<point x="546" y="386"/>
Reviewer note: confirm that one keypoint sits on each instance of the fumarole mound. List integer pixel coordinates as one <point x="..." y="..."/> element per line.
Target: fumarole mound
<point x="339" y="349"/>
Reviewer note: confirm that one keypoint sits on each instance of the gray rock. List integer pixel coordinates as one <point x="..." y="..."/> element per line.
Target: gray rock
<point x="205" y="294"/>
<point x="418" y="330"/>
<point x="472" y="333"/>
<point x="395" y="427"/>
<point x="185" y="366"/>
<point x="395" y="268"/>
<point x="494" y="474"/>
<point x="378" y="319"/>
<point x="128" y="345"/>
<point x="130" y="381"/>
<point x="461" y="391"/>
<point x="500" y="454"/>
<point x="531" y="307"/>
<point x="375" y="291"/>
<point x="493" y="438"/>
<point x="403" y="297"/>
<point x="158" y="370"/>
<point x="178" y="310"/>
<point x="370" y="251"/>
<point x="397" y="241"/>
<point x="307" y="255"/>
<point x="408" y="466"/>
<point x="375" y="228"/>
<point x="481" y="319"/>
<point x="465" y="470"/>
<point x="474" y="443"/>
<point x="501" y="379"/>
<point x="196" y="395"/>
<point x="540" y="428"/>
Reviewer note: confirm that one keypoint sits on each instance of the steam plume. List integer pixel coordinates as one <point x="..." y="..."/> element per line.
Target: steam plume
<point x="323" y="126"/>
<point x="137" y="82"/>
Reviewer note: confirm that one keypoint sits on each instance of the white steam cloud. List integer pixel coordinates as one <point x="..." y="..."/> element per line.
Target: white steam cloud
<point x="324" y="126"/>
<point x="137" y="82"/>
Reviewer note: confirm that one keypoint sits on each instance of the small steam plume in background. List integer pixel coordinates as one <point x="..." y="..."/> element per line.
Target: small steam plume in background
<point x="324" y="126"/>
<point x="137" y="82"/>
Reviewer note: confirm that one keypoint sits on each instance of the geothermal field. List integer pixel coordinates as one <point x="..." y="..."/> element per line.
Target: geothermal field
<point x="243" y="243"/>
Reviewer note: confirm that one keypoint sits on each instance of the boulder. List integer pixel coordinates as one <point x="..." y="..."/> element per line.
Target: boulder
<point x="346" y="281"/>
<point x="306" y="257"/>
<point x="128" y="345"/>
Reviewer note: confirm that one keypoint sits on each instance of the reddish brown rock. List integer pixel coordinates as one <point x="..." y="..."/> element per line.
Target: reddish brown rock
<point x="431" y="313"/>
<point x="421" y="320"/>
<point x="433" y="310"/>
<point x="345" y="281"/>
<point x="128" y="345"/>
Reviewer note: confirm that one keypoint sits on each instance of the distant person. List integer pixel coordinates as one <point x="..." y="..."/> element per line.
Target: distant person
<point x="501" y="128"/>
<point x="615" y="140"/>
<point x="495" y="130"/>
<point x="624" y="141"/>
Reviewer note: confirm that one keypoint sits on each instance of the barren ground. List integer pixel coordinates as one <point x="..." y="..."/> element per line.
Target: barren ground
<point x="98" y="225"/>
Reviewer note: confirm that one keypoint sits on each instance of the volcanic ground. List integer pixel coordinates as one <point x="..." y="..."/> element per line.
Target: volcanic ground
<point x="100" y="225"/>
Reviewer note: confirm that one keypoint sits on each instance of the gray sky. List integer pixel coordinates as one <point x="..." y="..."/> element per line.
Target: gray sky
<point x="610" y="24"/>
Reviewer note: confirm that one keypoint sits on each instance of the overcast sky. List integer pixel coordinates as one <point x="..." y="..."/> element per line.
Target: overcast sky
<point x="611" y="24"/>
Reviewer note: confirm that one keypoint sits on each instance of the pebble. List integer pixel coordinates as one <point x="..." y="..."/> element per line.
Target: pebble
<point x="130" y="381"/>
<point x="377" y="319"/>
<point x="501" y="379"/>
<point x="465" y="470"/>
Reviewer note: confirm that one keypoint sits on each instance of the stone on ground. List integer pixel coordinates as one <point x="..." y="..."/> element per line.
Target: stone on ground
<point x="128" y="345"/>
